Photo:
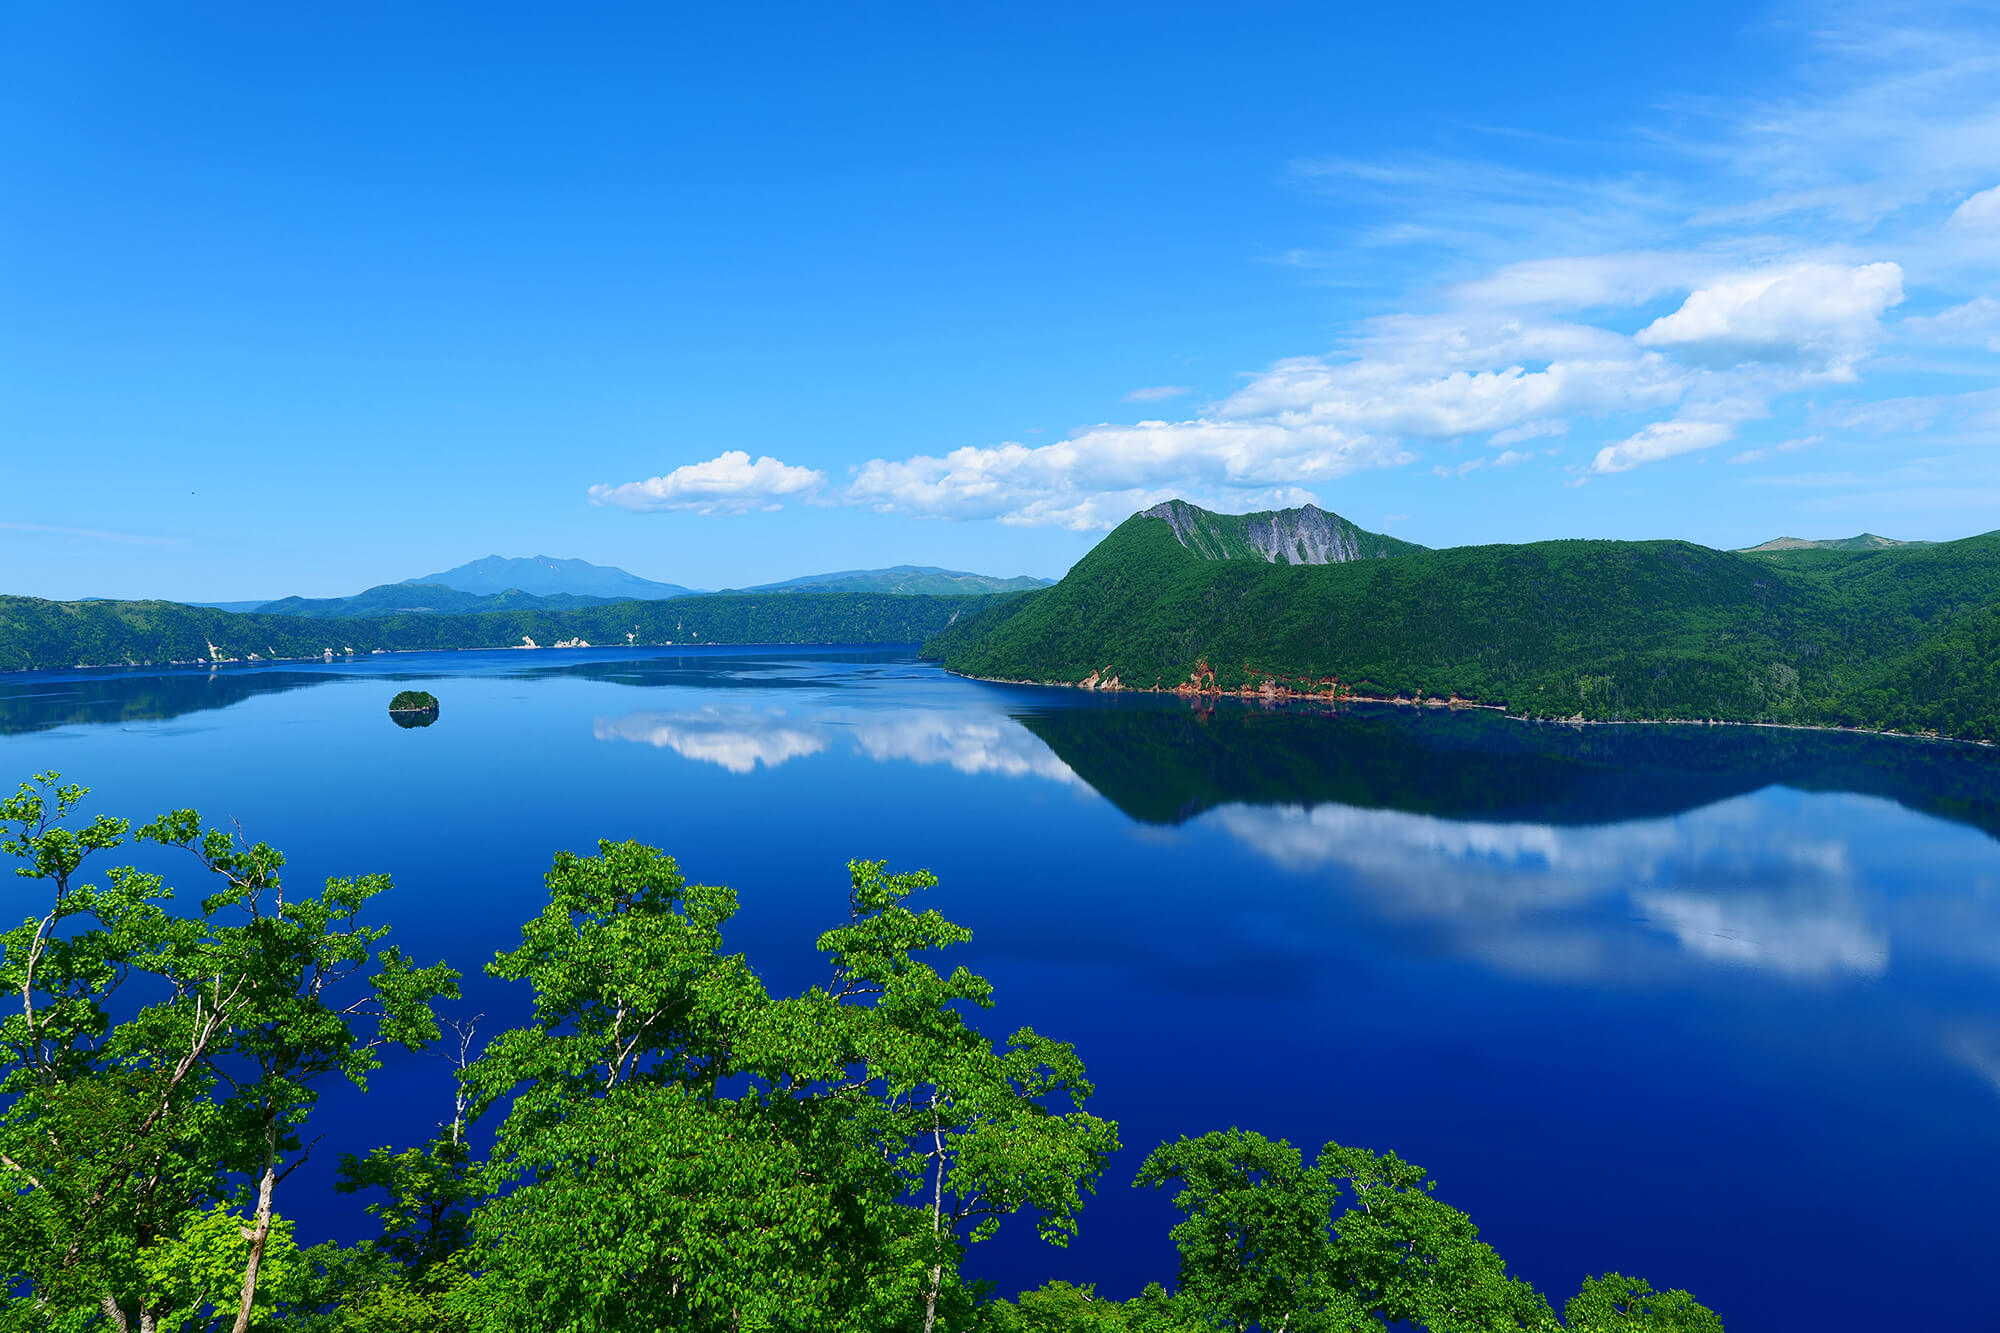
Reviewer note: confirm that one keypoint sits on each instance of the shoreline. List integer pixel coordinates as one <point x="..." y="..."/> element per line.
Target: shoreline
<point x="1269" y="694"/>
<point x="328" y="659"/>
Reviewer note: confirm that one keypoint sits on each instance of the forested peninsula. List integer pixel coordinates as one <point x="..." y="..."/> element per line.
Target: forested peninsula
<point x="37" y="635"/>
<point x="1898" y="637"/>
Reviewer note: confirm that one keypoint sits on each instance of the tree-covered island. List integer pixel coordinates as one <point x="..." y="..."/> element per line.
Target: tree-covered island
<point x="414" y="701"/>
<point x="665" y="1145"/>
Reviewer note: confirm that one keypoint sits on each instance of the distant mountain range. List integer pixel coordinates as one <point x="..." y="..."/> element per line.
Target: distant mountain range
<point x="37" y="635"/>
<point x="402" y="599"/>
<point x="544" y="583"/>
<point x="904" y="581"/>
<point x="546" y="576"/>
<point x="1867" y="541"/>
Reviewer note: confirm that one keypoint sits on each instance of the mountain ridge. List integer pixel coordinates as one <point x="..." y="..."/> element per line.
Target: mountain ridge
<point x="903" y="580"/>
<point x="547" y="575"/>
<point x="1903" y="638"/>
<point x="1306" y="535"/>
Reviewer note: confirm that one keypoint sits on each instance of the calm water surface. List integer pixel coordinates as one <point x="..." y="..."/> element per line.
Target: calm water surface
<point x="1718" y="1006"/>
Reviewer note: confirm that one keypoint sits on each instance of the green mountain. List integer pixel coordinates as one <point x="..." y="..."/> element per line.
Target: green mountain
<point x="1867" y="541"/>
<point x="904" y="580"/>
<point x="423" y="599"/>
<point x="37" y="635"/>
<point x="1903" y="638"/>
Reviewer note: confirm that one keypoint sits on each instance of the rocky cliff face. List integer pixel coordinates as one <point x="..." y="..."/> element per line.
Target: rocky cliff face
<point x="1307" y="535"/>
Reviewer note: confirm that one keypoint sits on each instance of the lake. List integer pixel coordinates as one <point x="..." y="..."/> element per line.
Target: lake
<point x="1719" y="1006"/>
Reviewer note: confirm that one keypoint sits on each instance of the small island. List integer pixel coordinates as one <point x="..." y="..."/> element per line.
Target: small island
<point x="414" y="708"/>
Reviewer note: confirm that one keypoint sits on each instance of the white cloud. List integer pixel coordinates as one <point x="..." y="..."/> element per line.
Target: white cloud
<point x="1104" y="474"/>
<point x="1979" y="213"/>
<point x="1662" y="439"/>
<point x="1823" y="314"/>
<point x="729" y="483"/>
<point x="1973" y="324"/>
<point x="1786" y="447"/>
<point x="1587" y="282"/>
<point x="1970" y="418"/>
<point x="1533" y="430"/>
<point x="1307" y="420"/>
<point x="1781" y="229"/>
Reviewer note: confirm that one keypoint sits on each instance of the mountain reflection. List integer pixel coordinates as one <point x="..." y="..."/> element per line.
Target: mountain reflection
<point x="1164" y="765"/>
<point x="46" y="702"/>
<point x="1599" y="855"/>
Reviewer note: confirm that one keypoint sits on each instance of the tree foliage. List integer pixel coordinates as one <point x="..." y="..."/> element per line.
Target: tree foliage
<point x="672" y="1146"/>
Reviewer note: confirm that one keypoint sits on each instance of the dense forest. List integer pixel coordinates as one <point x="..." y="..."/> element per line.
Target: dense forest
<point x="37" y="635"/>
<point x="1904" y="638"/>
<point x="665" y="1145"/>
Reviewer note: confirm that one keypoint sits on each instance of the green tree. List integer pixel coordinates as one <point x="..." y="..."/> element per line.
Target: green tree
<point x="1615" y="1303"/>
<point x="317" y="999"/>
<point x="971" y="1127"/>
<point x="1255" y="1237"/>
<point x="95" y="1137"/>
<point x="1403" y="1255"/>
<point x="682" y="1150"/>
<point x="130" y="1143"/>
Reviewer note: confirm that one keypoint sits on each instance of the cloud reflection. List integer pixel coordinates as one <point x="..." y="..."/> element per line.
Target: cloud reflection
<point x="739" y="739"/>
<point x="1727" y="883"/>
<point x="735" y="740"/>
<point x="968" y="742"/>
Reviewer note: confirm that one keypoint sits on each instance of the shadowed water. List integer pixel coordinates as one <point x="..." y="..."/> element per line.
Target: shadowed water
<point x="1720" y="1006"/>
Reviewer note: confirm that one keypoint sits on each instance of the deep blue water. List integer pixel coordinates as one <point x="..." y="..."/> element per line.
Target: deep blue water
<point x="1718" y="1006"/>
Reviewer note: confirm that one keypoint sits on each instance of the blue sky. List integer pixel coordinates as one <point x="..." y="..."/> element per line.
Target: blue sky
<point x="302" y="299"/>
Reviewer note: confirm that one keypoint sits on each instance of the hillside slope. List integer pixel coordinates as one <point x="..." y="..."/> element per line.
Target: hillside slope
<point x="1903" y="638"/>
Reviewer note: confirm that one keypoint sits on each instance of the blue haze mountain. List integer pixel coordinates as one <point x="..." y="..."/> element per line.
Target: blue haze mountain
<point x="904" y="580"/>
<point x="544" y="583"/>
<point x="545" y="576"/>
<point x="1866" y="541"/>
